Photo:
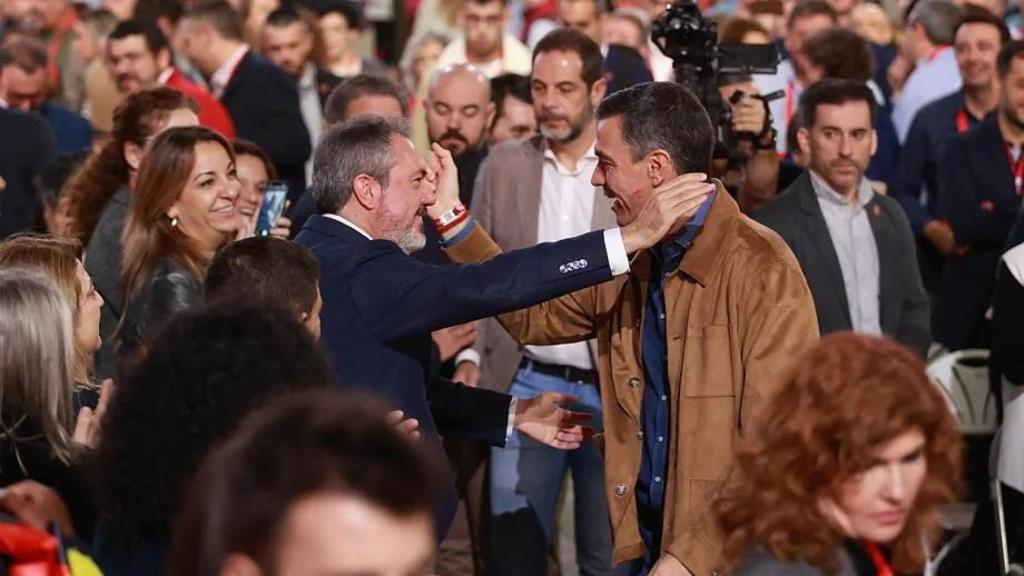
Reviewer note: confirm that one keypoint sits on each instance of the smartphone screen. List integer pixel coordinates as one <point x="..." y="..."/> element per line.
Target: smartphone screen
<point x="272" y="206"/>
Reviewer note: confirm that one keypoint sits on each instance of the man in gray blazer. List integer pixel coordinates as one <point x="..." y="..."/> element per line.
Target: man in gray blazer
<point x="855" y="246"/>
<point x="532" y="191"/>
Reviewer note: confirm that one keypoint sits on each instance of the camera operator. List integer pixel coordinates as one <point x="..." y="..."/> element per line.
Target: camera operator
<point x="750" y="166"/>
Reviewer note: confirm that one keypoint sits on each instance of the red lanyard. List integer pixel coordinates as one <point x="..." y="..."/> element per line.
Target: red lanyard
<point x="963" y="122"/>
<point x="1016" y="168"/>
<point x="878" y="559"/>
<point x="790" y="101"/>
<point x="935" y="53"/>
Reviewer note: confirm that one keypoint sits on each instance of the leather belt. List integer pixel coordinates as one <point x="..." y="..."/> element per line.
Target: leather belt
<point x="568" y="373"/>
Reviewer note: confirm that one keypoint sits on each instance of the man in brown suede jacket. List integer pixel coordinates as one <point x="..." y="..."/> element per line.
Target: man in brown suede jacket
<point x="690" y="343"/>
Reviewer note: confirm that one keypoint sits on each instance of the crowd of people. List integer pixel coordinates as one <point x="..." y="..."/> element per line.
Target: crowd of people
<point x="536" y="302"/>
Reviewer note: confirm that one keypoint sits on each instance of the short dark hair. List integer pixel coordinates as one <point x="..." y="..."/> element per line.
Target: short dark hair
<point x="286" y="15"/>
<point x="266" y="270"/>
<point x="245" y="147"/>
<point x="1007" y="54"/>
<point x="155" y="39"/>
<point x="350" y="90"/>
<point x="350" y="11"/>
<point x="220" y="16"/>
<point x="50" y="182"/>
<point x="505" y="85"/>
<point x="666" y="116"/>
<point x="836" y="92"/>
<point x="27" y="54"/>
<point x="841" y="53"/>
<point x="808" y="8"/>
<point x="572" y="40"/>
<point x="973" y="14"/>
<point x="362" y="146"/>
<point x="309" y="444"/>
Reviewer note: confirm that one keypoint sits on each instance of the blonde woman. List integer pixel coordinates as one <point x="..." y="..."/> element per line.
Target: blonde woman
<point x="60" y="261"/>
<point x="37" y="359"/>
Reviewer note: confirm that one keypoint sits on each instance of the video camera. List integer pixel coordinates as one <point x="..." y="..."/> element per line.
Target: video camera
<point x="691" y="41"/>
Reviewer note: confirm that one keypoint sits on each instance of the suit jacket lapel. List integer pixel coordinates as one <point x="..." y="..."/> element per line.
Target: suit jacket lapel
<point x="527" y="199"/>
<point x="886" y="242"/>
<point x="819" y="241"/>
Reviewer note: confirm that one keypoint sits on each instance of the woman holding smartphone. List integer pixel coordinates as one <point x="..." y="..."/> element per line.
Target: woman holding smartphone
<point x="184" y="210"/>
<point x="255" y="172"/>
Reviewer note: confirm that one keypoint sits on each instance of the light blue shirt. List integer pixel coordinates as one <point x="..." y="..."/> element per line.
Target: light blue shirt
<point x="931" y="79"/>
<point x="856" y="250"/>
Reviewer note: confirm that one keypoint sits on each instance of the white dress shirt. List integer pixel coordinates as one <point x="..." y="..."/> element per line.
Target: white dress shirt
<point x="566" y="210"/>
<point x="312" y="113"/>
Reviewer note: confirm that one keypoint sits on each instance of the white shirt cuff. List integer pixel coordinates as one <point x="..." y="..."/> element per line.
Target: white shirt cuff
<point x="618" y="260"/>
<point x="511" y="418"/>
<point x="467" y="355"/>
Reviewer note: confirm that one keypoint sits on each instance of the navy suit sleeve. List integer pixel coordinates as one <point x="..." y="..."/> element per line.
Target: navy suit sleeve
<point x="909" y="179"/>
<point x="960" y="203"/>
<point x="467" y="413"/>
<point x="399" y="296"/>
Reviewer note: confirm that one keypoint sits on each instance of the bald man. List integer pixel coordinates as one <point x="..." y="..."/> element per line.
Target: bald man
<point x="459" y="111"/>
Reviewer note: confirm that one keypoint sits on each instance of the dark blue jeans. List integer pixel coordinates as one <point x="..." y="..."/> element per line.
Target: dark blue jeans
<point x="526" y="478"/>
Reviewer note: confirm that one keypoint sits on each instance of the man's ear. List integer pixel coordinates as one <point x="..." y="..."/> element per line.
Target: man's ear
<point x="164" y="59"/>
<point x="489" y="114"/>
<point x="597" y="91"/>
<point x="803" y="138"/>
<point x="133" y="154"/>
<point x="367" y="191"/>
<point x="659" y="167"/>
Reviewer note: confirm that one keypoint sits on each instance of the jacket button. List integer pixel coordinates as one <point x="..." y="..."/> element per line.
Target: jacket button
<point x="634" y="382"/>
<point x="620" y="489"/>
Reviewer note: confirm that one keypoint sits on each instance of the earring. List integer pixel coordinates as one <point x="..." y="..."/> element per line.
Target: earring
<point x="174" y="221"/>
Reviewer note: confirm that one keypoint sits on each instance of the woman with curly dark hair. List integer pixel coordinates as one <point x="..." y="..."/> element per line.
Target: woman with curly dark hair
<point x="201" y="376"/>
<point x="845" y="469"/>
<point x="100" y="193"/>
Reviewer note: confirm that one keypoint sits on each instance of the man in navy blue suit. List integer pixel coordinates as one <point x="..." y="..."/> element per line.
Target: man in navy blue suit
<point x="261" y="98"/>
<point x="379" y="304"/>
<point x="981" y="179"/>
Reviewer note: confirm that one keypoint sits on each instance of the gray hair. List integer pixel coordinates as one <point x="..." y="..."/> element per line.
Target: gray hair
<point x="405" y="65"/>
<point x="361" y="146"/>
<point x="939" y="18"/>
<point x="37" y="359"/>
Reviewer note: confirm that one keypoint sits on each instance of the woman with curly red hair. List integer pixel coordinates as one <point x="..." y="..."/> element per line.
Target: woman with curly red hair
<point x="846" y="467"/>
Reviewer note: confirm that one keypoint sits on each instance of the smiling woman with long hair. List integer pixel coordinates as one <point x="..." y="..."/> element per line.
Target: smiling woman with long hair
<point x="184" y="210"/>
<point x="845" y="469"/>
